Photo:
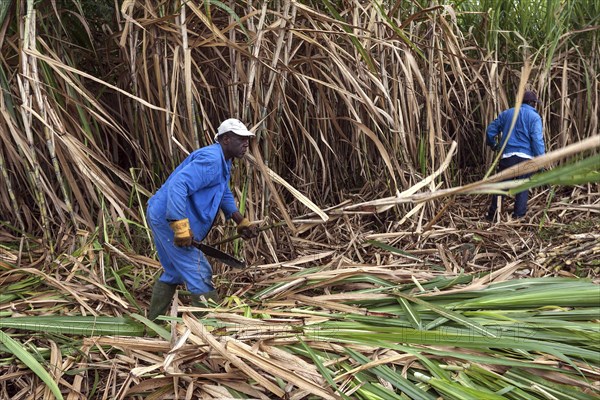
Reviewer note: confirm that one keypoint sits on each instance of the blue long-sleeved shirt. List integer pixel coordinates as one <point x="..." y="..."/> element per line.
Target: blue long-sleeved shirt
<point x="196" y="190"/>
<point x="527" y="136"/>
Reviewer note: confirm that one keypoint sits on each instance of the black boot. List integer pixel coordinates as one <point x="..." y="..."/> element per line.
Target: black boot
<point x="162" y="294"/>
<point x="204" y="300"/>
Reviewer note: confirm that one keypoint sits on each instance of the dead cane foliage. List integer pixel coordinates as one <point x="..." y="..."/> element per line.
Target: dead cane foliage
<point x="370" y="120"/>
<point x="322" y="318"/>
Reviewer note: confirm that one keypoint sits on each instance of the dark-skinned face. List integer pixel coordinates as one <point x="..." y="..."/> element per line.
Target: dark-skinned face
<point x="234" y="145"/>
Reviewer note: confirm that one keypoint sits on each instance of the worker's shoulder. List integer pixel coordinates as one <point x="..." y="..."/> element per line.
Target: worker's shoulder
<point x="531" y="112"/>
<point x="211" y="152"/>
<point x="506" y="113"/>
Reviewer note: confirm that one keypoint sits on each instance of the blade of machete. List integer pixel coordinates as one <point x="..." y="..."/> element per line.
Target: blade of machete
<point x="218" y="254"/>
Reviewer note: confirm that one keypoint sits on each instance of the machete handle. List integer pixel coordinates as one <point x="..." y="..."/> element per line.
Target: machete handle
<point x="237" y="236"/>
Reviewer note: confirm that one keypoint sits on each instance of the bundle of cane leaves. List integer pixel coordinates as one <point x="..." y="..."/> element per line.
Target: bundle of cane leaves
<point x="369" y="333"/>
<point x="516" y="339"/>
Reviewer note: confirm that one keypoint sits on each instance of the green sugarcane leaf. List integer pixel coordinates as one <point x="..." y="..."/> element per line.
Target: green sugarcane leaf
<point x="524" y="378"/>
<point x="411" y="314"/>
<point x="398" y="31"/>
<point x="75" y="325"/>
<point x="124" y="290"/>
<point x="359" y="47"/>
<point x="498" y="383"/>
<point x="22" y="354"/>
<point x="436" y="322"/>
<point x="570" y="294"/>
<point x="376" y="391"/>
<point x="580" y="172"/>
<point x="457" y="391"/>
<point x="326" y="373"/>
<point x="229" y="11"/>
<point x="395" y="250"/>
<point x="453" y="336"/>
<point x="454" y="316"/>
<point x="394" y="378"/>
<point x="478" y="358"/>
<point x="162" y="332"/>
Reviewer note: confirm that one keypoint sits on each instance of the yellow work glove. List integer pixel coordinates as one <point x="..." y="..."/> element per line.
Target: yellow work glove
<point x="183" y="233"/>
<point x="246" y="229"/>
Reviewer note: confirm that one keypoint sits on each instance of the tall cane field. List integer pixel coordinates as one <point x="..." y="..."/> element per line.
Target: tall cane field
<point x="375" y="274"/>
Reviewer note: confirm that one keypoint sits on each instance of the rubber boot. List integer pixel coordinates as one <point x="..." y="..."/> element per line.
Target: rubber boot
<point x="204" y="300"/>
<point x="162" y="294"/>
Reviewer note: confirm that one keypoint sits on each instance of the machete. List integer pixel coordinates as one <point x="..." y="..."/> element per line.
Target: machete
<point x="218" y="254"/>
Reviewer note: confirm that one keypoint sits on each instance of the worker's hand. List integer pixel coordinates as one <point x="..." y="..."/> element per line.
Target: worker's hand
<point x="183" y="233"/>
<point x="246" y="229"/>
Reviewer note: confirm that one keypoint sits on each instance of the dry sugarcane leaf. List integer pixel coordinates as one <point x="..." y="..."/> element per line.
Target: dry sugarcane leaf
<point x="198" y="329"/>
<point x="274" y="369"/>
<point x="303" y="199"/>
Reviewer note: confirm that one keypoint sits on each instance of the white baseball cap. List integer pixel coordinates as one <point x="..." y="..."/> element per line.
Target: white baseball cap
<point x="235" y="126"/>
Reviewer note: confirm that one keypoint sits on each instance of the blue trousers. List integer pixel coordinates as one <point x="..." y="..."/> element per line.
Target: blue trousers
<point x="521" y="198"/>
<point x="180" y="264"/>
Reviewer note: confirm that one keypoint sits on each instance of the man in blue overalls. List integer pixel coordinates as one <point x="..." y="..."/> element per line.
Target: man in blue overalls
<point x="184" y="209"/>
<point x="524" y="142"/>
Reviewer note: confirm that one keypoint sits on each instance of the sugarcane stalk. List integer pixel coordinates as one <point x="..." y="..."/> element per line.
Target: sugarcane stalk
<point x="33" y="167"/>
